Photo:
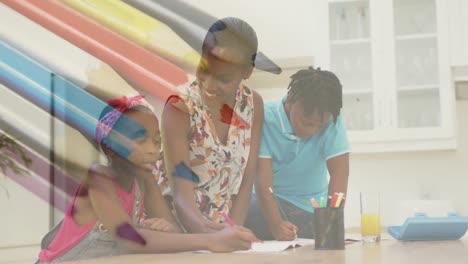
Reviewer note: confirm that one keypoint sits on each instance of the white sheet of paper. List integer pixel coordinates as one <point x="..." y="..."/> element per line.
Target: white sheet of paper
<point x="277" y="246"/>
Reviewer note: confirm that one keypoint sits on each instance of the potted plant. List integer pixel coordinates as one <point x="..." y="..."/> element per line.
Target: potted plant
<point x="8" y="147"/>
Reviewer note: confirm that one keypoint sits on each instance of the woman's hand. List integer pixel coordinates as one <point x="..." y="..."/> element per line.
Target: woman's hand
<point x="161" y="224"/>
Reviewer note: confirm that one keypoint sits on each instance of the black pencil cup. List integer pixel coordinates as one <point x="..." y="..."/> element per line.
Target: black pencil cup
<point x="329" y="228"/>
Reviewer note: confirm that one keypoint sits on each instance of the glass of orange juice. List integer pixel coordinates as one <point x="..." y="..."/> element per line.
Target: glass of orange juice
<point x="370" y="217"/>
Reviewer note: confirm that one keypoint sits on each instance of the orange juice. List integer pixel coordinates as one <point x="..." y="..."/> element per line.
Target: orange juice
<point x="370" y="226"/>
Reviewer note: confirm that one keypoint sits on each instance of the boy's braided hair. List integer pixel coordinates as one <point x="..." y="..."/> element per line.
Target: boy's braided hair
<point x="318" y="91"/>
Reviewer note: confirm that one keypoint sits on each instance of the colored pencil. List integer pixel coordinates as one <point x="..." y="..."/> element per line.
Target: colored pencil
<point x="148" y="71"/>
<point x="79" y="67"/>
<point x="228" y="219"/>
<point x="340" y="198"/>
<point x="283" y="214"/>
<point x="141" y="29"/>
<point x="65" y="100"/>
<point x="191" y="24"/>
<point x="334" y="199"/>
<point x="314" y="203"/>
<point x="329" y="199"/>
<point x="82" y="69"/>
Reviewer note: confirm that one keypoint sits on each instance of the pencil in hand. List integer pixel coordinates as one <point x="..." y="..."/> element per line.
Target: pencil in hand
<point x="228" y="219"/>
<point x="283" y="214"/>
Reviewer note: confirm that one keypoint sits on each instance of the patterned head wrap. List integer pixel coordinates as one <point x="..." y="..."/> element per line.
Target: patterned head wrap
<point x="120" y="105"/>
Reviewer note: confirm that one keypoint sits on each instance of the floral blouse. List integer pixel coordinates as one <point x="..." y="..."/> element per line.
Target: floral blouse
<point x="219" y="167"/>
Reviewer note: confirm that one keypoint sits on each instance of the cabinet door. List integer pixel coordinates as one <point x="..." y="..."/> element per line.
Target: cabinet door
<point x="416" y="54"/>
<point x="352" y="58"/>
<point x="423" y="90"/>
<point x="392" y="59"/>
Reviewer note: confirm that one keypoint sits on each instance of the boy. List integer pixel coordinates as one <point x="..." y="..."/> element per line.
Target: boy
<point x="303" y="139"/>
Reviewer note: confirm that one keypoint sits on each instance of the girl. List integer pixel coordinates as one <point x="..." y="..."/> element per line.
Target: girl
<point x="105" y="214"/>
<point x="213" y="127"/>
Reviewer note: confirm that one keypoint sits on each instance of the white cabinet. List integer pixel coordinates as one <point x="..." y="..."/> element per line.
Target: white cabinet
<point x="458" y="19"/>
<point x="392" y="58"/>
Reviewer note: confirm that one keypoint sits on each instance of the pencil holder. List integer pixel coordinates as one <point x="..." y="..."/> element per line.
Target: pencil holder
<point x="329" y="228"/>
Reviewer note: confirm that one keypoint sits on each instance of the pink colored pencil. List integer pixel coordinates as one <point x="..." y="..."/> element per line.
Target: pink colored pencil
<point x="228" y="219"/>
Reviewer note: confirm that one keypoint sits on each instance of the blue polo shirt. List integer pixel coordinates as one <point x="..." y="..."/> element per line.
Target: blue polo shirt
<point x="300" y="165"/>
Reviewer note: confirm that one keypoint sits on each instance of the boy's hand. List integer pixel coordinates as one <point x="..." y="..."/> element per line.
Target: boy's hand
<point x="161" y="224"/>
<point x="285" y="231"/>
<point x="231" y="239"/>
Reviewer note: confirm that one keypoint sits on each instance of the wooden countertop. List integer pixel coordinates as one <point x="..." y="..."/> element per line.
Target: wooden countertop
<point x="387" y="251"/>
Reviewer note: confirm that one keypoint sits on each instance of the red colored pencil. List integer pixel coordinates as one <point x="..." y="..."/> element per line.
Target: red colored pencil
<point x="334" y="200"/>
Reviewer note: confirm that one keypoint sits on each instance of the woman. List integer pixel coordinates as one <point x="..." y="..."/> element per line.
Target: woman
<point x="213" y="127"/>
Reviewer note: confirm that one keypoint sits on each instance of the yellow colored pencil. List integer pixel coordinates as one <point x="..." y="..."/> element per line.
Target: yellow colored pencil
<point x="340" y="198"/>
<point x="142" y="29"/>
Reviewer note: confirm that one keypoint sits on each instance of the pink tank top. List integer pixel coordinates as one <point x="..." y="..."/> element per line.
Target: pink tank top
<point x="70" y="233"/>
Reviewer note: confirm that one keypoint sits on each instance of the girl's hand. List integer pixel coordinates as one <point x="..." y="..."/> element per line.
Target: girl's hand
<point x="211" y="227"/>
<point x="231" y="239"/>
<point x="161" y="224"/>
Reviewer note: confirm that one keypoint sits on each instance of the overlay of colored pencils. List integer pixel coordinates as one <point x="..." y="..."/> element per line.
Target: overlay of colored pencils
<point x="80" y="68"/>
<point x="64" y="59"/>
<point x="191" y="24"/>
<point x="142" y="29"/>
<point x="134" y="63"/>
